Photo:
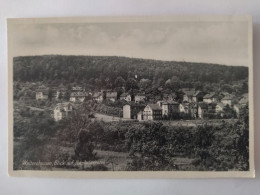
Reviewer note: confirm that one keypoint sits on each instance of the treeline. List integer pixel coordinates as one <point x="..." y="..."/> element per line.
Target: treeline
<point x="111" y="72"/>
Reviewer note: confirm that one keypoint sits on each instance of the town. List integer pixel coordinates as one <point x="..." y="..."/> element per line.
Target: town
<point x="192" y="104"/>
<point x="132" y="114"/>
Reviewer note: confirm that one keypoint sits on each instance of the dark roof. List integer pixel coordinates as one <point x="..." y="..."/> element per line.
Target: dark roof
<point x="209" y="95"/>
<point x="189" y="93"/>
<point x="196" y="93"/>
<point x="154" y="106"/>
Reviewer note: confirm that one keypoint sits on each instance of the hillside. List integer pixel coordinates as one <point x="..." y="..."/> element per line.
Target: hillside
<point x="103" y="71"/>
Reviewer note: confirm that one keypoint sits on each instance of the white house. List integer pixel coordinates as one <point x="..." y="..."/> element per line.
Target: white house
<point x="220" y="107"/>
<point x="62" y="110"/>
<point x="127" y="111"/>
<point x="77" y="88"/>
<point x="237" y="108"/>
<point x="210" y="98"/>
<point x="184" y="108"/>
<point x="78" y="96"/>
<point x="187" y="97"/>
<point x="42" y="93"/>
<point x="98" y="97"/>
<point x="140" y="98"/>
<point x="112" y="96"/>
<point x="227" y="100"/>
<point x="202" y="110"/>
<point x="126" y="97"/>
<point x="152" y="112"/>
<point x="140" y="116"/>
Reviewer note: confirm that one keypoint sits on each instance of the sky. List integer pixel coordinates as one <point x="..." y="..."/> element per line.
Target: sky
<point x="211" y="42"/>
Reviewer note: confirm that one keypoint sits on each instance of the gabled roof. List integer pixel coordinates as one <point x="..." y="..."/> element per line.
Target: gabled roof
<point x="221" y="105"/>
<point x="196" y="93"/>
<point x="124" y="95"/>
<point x="238" y="106"/>
<point x="209" y="95"/>
<point x="228" y="97"/>
<point x="154" y="106"/>
<point x="243" y="101"/>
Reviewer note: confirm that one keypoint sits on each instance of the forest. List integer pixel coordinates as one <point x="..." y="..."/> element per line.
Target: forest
<point x="111" y="72"/>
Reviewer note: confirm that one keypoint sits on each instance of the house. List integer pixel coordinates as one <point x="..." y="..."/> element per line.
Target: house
<point x="202" y="110"/>
<point x="210" y="98"/>
<point x="77" y="88"/>
<point x="152" y="112"/>
<point x="169" y="108"/>
<point x="42" y="93"/>
<point x="227" y="100"/>
<point x="140" y="98"/>
<point x="193" y="106"/>
<point x="131" y="112"/>
<point x="126" y="97"/>
<point x="184" y="108"/>
<point x="112" y="96"/>
<point x="61" y="91"/>
<point x="127" y="111"/>
<point x="197" y="96"/>
<point x="172" y="97"/>
<point x="243" y="101"/>
<point x="188" y="96"/>
<point x="220" y="107"/>
<point x="98" y="97"/>
<point x="62" y="110"/>
<point x="140" y="116"/>
<point x="237" y="108"/>
<point x="78" y="96"/>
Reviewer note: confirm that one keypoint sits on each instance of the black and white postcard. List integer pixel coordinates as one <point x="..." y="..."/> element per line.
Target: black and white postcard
<point x="131" y="97"/>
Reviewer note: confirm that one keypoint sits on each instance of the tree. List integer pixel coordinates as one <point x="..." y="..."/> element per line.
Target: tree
<point x="131" y="84"/>
<point x="119" y="82"/>
<point x="85" y="147"/>
<point x="144" y="83"/>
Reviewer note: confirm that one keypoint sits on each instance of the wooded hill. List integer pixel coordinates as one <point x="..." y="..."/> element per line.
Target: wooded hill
<point x="112" y="71"/>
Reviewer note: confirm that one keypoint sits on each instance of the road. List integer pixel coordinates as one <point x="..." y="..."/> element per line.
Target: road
<point x="35" y="108"/>
<point x="107" y="118"/>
